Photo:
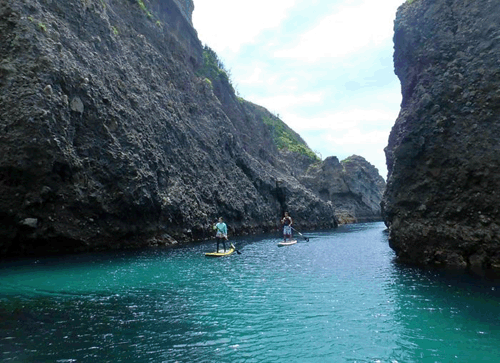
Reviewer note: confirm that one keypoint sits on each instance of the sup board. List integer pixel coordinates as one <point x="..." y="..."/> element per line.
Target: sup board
<point x="287" y="243"/>
<point x="220" y="254"/>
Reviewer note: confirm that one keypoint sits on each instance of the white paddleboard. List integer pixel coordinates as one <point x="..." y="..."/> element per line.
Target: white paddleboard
<point x="287" y="243"/>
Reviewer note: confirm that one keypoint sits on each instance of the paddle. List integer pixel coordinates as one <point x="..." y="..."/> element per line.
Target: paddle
<point x="238" y="252"/>
<point x="307" y="239"/>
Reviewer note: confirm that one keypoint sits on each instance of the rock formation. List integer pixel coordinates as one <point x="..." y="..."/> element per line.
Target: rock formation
<point x="354" y="187"/>
<point x="442" y="200"/>
<point x="186" y="7"/>
<point x="112" y="135"/>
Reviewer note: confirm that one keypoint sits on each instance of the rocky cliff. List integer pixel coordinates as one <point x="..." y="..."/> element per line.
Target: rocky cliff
<point x="354" y="187"/>
<point x="186" y="7"/>
<point x="115" y="134"/>
<point x="442" y="199"/>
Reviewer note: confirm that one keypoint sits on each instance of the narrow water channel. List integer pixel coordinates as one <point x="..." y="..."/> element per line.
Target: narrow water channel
<point x="338" y="298"/>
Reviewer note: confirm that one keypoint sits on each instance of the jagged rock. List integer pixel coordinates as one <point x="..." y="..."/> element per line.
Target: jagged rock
<point x="77" y="105"/>
<point x="186" y="7"/>
<point x="48" y="90"/>
<point x="442" y="200"/>
<point x="30" y="222"/>
<point x="132" y="147"/>
<point x="354" y="187"/>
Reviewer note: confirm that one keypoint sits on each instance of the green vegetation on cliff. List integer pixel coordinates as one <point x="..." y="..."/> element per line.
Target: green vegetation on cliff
<point x="286" y="138"/>
<point x="213" y="68"/>
<point x="144" y="8"/>
<point x="348" y="160"/>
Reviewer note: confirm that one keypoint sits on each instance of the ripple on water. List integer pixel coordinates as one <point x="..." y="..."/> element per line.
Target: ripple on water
<point x="337" y="298"/>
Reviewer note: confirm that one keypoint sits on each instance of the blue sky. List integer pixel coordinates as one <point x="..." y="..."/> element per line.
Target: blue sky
<point x="323" y="66"/>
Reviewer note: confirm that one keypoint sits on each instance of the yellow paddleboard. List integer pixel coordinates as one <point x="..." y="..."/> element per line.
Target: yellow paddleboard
<point x="220" y="254"/>
<point x="287" y="243"/>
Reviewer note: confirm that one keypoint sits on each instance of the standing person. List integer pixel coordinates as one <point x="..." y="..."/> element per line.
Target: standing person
<point x="221" y="235"/>
<point x="287" y="226"/>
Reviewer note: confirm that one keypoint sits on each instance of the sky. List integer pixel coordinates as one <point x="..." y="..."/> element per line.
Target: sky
<point x="325" y="67"/>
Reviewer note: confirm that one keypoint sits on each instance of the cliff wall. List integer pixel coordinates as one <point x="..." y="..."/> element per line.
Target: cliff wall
<point x="442" y="200"/>
<point x="110" y="138"/>
<point x="186" y="7"/>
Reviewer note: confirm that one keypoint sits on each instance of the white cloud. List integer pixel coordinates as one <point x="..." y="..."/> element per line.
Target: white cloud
<point x="227" y="24"/>
<point x="335" y="121"/>
<point x="254" y="78"/>
<point x="355" y="136"/>
<point x="287" y="101"/>
<point x="258" y="76"/>
<point x="348" y="31"/>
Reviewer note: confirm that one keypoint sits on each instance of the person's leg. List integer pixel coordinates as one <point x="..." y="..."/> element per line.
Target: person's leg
<point x="218" y="239"/>
<point x="287" y="233"/>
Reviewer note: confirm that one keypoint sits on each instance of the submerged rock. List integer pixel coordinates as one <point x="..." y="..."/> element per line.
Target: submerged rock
<point x="442" y="202"/>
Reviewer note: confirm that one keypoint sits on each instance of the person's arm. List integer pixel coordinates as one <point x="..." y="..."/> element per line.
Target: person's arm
<point x="291" y="222"/>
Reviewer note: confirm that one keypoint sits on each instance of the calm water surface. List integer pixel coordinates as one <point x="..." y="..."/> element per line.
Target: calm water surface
<point x="338" y="298"/>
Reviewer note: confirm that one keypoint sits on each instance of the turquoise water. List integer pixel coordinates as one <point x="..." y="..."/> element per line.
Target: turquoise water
<point x="338" y="298"/>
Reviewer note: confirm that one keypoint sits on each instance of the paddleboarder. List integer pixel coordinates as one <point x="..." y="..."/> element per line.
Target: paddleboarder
<point x="221" y="235"/>
<point x="287" y="226"/>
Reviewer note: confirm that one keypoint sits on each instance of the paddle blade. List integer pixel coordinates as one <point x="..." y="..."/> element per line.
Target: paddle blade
<point x="238" y="252"/>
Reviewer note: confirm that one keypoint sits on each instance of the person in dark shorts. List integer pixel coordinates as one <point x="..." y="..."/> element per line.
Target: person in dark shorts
<point x="287" y="226"/>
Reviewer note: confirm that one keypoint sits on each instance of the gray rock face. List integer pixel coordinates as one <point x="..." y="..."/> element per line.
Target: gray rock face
<point x="109" y="139"/>
<point x="442" y="200"/>
<point x="186" y="7"/>
<point x="354" y="187"/>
